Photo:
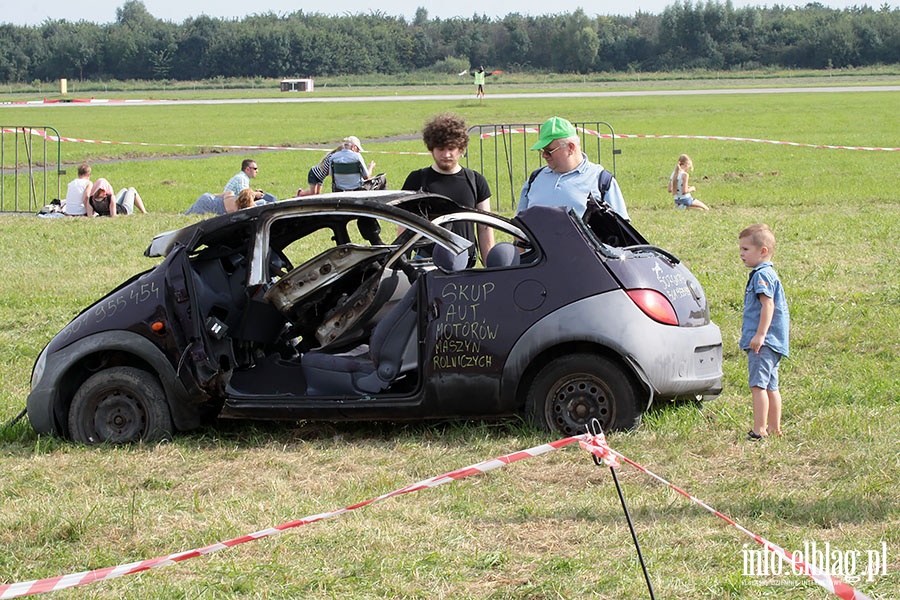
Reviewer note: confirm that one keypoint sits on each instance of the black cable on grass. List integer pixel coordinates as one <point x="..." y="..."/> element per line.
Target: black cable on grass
<point x="14" y="420"/>
<point x="596" y="430"/>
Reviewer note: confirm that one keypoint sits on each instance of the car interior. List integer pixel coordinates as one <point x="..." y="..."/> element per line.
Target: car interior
<point x="347" y="314"/>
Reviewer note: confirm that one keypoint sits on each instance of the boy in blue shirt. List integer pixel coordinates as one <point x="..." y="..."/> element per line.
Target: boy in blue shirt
<point x="764" y="330"/>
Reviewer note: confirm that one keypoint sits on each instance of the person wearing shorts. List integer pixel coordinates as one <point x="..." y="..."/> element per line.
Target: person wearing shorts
<point x="764" y="329"/>
<point x="679" y="185"/>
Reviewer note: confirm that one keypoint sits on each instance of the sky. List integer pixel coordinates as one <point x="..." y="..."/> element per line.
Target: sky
<point x="35" y="12"/>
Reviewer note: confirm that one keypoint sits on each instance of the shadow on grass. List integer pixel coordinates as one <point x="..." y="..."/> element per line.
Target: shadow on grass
<point x="18" y="438"/>
<point x="449" y="433"/>
<point x="769" y="515"/>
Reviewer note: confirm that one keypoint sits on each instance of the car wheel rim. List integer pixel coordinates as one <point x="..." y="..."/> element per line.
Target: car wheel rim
<point x="577" y="400"/>
<point x="119" y="417"/>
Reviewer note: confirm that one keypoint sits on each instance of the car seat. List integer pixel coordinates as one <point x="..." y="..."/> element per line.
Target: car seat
<point x="370" y="369"/>
<point x="503" y="254"/>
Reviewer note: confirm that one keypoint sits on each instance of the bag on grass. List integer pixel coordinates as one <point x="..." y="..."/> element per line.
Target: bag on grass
<point x="376" y="182"/>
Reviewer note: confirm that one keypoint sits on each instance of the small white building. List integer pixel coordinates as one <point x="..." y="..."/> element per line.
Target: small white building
<point x="296" y="85"/>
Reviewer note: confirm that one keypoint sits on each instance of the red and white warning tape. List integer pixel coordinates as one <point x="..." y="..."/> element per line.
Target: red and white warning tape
<point x="28" y="588"/>
<point x="486" y="135"/>
<point x="715" y="138"/>
<point x="55" y="138"/>
<point x="83" y="101"/>
<point x="596" y="445"/>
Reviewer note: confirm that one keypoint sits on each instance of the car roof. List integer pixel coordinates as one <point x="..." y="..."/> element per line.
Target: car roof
<point x="411" y="209"/>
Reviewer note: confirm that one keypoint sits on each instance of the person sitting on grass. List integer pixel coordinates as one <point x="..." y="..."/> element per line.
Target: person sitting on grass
<point x="104" y="204"/>
<point x="680" y="187"/>
<point x="241" y="180"/>
<point x="76" y="203"/>
<point x="348" y="153"/>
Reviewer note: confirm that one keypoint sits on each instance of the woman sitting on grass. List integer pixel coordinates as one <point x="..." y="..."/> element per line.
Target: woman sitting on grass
<point x="103" y="204"/>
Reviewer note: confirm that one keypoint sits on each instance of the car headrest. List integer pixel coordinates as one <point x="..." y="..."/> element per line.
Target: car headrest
<point x="503" y="254"/>
<point x="447" y="261"/>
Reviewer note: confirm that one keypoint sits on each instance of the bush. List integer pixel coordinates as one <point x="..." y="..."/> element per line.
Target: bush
<point x="451" y="64"/>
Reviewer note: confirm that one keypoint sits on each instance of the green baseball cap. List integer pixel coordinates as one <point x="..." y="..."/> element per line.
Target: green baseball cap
<point x="554" y="128"/>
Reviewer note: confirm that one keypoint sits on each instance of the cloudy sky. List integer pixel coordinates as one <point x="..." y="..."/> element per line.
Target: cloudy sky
<point x="35" y="12"/>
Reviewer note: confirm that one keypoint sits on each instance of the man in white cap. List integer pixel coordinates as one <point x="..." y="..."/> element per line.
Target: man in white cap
<point x="569" y="179"/>
<point x="348" y="168"/>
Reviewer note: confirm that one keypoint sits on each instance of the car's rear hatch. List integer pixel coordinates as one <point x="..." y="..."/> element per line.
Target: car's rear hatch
<point x="653" y="277"/>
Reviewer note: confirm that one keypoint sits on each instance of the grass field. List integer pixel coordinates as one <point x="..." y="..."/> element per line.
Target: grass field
<point x="548" y="527"/>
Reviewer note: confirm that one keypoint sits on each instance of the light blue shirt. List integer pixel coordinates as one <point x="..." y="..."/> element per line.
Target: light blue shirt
<point x="237" y="183"/>
<point x="571" y="189"/>
<point x="764" y="280"/>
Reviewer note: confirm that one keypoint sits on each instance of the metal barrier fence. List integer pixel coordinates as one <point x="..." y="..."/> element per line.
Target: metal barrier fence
<point x="502" y="153"/>
<point x="29" y="177"/>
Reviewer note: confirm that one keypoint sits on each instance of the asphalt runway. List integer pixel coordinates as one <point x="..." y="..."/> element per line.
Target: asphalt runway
<point x="309" y="97"/>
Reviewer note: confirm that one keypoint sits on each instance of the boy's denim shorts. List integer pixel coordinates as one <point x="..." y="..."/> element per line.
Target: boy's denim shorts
<point x="763" y="368"/>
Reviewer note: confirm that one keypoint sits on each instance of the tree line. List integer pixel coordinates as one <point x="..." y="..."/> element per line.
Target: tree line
<point x="705" y="35"/>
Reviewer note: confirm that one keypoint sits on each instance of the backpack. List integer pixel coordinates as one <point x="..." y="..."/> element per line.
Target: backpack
<point x="603" y="181"/>
<point x="427" y="172"/>
<point x="375" y="182"/>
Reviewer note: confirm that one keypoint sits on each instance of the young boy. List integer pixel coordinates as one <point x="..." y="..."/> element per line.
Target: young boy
<point x="764" y="330"/>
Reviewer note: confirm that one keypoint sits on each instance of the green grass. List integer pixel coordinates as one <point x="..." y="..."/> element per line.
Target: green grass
<point x="548" y="527"/>
<point x="173" y="182"/>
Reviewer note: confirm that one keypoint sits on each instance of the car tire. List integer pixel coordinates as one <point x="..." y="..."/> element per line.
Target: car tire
<point x="120" y="405"/>
<point x="570" y="391"/>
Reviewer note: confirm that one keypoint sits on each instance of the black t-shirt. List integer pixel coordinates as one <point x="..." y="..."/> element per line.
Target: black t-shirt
<point x="458" y="186"/>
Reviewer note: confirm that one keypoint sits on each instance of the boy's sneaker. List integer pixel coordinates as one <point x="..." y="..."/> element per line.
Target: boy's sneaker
<point x="753" y="436"/>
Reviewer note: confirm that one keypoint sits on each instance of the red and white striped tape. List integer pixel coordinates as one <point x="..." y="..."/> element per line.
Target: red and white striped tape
<point x="596" y="445"/>
<point x="507" y="131"/>
<point x="715" y="138"/>
<point x="27" y="588"/>
<point x="55" y="138"/>
<point x="83" y="101"/>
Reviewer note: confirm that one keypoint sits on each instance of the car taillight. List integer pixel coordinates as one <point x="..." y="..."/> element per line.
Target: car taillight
<point x="655" y="305"/>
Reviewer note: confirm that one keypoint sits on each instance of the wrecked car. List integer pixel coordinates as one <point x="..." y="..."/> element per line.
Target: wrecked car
<point x="361" y="306"/>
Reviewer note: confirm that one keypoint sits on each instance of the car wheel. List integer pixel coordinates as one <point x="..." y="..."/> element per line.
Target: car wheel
<point x="119" y="405"/>
<point x="572" y="390"/>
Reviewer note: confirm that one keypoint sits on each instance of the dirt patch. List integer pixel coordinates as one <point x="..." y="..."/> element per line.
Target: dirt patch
<point x="758" y="174"/>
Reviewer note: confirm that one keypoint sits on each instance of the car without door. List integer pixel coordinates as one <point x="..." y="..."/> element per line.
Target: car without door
<point x="365" y="306"/>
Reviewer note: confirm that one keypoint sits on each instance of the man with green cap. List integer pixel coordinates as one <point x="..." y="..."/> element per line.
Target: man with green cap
<point x="569" y="179"/>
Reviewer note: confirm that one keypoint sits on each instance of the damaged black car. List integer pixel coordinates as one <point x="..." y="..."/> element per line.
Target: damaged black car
<point x="364" y="306"/>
